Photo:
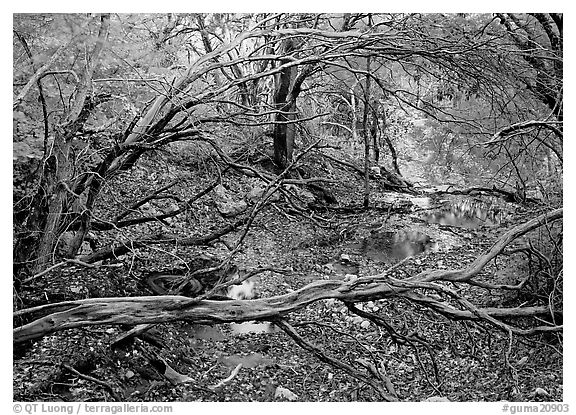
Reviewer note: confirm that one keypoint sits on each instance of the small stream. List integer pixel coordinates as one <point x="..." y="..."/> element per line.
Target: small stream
<point x="388" y="247"/>
<point x="392" y="246"/>
<point x="250" y="327"/>
<point x="222" y="332"/>
<point x="202" y="335"/>
<point x="380" y="246"/>
<point x="468" y="213"/>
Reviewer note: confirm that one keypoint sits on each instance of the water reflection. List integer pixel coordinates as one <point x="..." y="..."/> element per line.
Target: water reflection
<point x="206" y="332"/>
<point x="252" y="327"/>
<point x="466" y="213"/>
<point x="392" y="246"/>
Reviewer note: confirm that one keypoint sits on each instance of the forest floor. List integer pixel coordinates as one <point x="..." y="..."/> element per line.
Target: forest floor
<point x="460" y="361"/>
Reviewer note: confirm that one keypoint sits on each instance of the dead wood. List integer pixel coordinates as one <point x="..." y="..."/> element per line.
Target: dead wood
<point x="169" y="308"/>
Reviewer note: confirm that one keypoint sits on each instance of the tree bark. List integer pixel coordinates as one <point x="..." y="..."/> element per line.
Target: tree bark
<point x="366" y="135"/>
<point x="284" y="130"/>
<point x="374" y="135"/>
<point x="58" y="179"/>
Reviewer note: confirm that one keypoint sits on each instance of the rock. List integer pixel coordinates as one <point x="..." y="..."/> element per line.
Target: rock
<point x="225" y="204"/>
<point x="254" y="195"/>
<point x="365" y="324"/>
<point x="285" y="393"/>
<point x="232" y="208"/>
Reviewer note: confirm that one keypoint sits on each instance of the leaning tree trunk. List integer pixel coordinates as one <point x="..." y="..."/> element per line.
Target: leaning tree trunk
<point x="52" y="216"/>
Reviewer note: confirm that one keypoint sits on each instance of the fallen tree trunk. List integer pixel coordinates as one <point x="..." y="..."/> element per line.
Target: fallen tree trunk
<point x="163" y="309"/>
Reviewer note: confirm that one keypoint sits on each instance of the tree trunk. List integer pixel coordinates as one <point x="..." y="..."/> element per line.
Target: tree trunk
<point x="284" y="134"/>
<point x="284" y="131"/>
<point x="353" y="106"/>
<point x="374" y="134"/>
<point x="57" y="201"/>
<point x="366" y="134"/>
<point x="50" y="216"/>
